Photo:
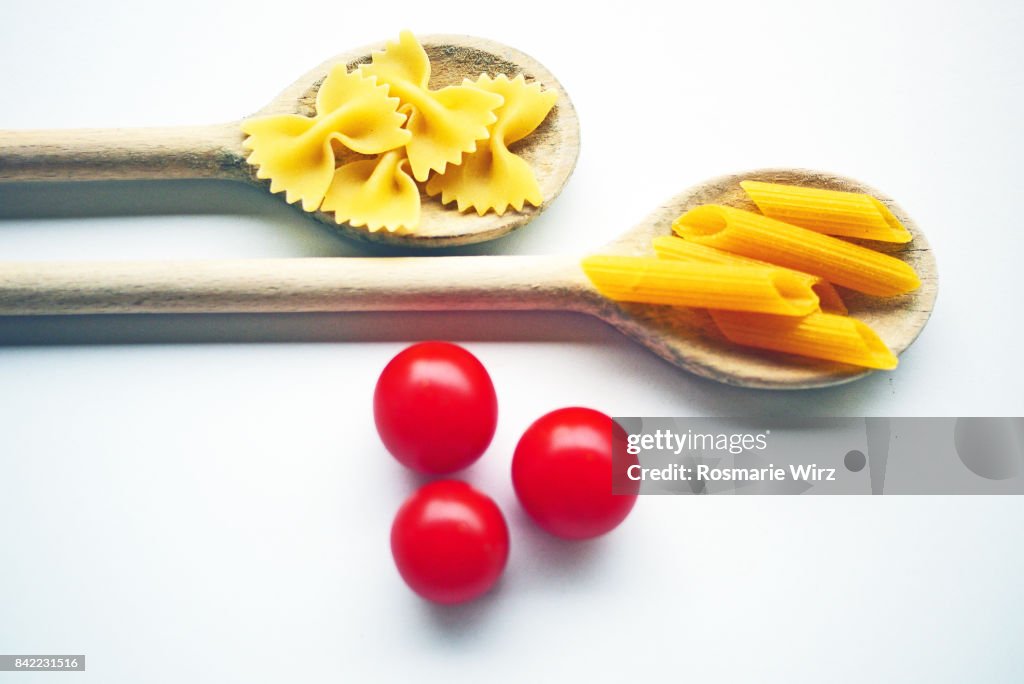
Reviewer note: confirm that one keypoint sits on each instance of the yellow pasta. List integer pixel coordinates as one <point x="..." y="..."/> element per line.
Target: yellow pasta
<point x="818" y="335"/>
<point x="760" y="237"/>
<point x="296" y="152"/>
<point x="444" y="123"/>
<point x="850" y="214"/>
<point x="376" y="193"/>
<point x="670" y="247"/>
<point x="493" y="177"/>
<point x="685" y="283"/>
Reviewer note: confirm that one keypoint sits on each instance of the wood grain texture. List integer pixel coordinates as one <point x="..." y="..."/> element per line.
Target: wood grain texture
<point x="689" y="339"/>
<point x="294" y="285"/>
<point x="98" y="154"/>
<point x="217" y="151"/>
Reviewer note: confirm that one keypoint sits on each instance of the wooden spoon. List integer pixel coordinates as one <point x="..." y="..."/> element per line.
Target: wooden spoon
<point x="217" y="152"/>
<point x="684" y="337"/>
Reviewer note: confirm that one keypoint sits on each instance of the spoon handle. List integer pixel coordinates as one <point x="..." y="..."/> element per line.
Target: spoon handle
<point x="292" y="285"/>
<point x="122" y="153"/>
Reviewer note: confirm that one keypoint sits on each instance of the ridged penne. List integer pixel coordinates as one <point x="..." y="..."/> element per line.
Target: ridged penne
<point x="819" y="335"/>
<point x="850" y="214"/>
<point x="760" y="237"/>
<point x="671" y="247"/>
<point x="762" y="289"/>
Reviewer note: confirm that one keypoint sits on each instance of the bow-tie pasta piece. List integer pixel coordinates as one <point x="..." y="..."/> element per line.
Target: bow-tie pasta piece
<point x="493" y="177"/>
<point x="295" y="152"/>
<point x="444" y="123"/>
<point x="375" y="193"/>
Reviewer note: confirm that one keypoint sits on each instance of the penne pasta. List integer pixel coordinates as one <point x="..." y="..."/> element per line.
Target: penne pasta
<point x="671" y="247"/>
<point x="763" y="289"/>
<point x="760" y="237"/>
<point x="819" y="335"/>
<point x="832" y="212"/>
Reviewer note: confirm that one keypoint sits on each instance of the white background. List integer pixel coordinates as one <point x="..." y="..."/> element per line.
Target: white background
<point x="205" y="499"/>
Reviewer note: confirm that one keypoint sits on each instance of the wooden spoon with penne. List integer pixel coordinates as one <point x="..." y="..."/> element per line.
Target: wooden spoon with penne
<point x="686" y="337"/>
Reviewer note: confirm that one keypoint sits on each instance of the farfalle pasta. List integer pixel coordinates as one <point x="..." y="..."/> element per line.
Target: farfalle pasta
<point x="409" y="134"/>
<point x="296" y="152"/>
<point x="493" y="178"/>
<point x="375" y="193"/>
<point x="444" y="123"/>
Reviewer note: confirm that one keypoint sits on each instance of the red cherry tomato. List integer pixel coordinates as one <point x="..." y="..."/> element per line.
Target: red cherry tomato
<point x="562" y="474"/>
<point x="450" y="542"/>
<point x="435" y="407"/>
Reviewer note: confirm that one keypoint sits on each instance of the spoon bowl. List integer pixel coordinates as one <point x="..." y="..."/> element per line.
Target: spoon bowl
<point x="551" y="150"/>
<point x="217" y="151"/>
<point x="689" y="338"/>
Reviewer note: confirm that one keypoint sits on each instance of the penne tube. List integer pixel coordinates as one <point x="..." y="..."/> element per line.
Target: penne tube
<point x="760" y="237"/>
<point x="763" y="289"/>
<point x="671" y="247"/>
<point x="832" y="212"/>
<point x="819" y="335"/>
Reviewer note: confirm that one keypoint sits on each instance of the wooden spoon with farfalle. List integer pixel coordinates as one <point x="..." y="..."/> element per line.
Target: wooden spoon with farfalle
<point x="217" y="151"/>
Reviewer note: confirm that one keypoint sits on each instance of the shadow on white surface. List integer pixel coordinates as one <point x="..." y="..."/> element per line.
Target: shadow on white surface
<point x="544" y="562"/>
<point x="592" y="338"/>
<point x="49" y="200"/>
<point x="53" y="203"/>
<point x="461" y="622"/>
<point x="468" y="326"/>
<point x="556" y="561"/>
